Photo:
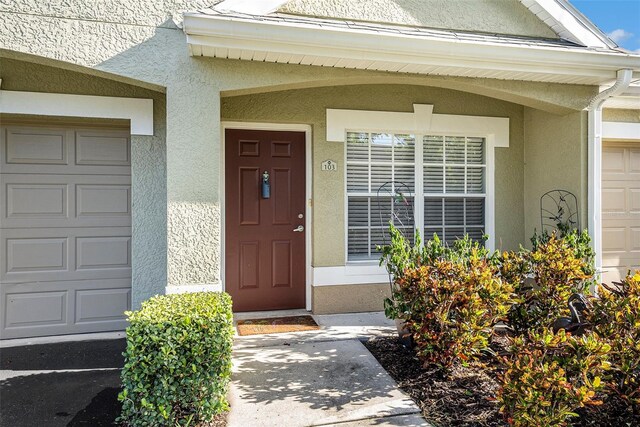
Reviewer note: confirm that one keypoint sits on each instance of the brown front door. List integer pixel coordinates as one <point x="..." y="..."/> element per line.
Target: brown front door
<point x="264" y="256"/>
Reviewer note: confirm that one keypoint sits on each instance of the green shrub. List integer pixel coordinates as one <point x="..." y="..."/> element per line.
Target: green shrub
<point x="579" y="241"/>
<point x="544" y="279"/>
<point x="178" y="360"/>
<point x="449" y="298"/>
<point x="400" y="255"/>
<point x="546" y="377"/>
<point x="616" y="318"/>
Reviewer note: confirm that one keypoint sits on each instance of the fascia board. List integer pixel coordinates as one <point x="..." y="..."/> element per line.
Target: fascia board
<point x="561" y="12"/>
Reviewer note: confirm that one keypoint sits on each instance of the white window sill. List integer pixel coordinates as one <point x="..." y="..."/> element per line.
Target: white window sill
<point x="350" y="274"/>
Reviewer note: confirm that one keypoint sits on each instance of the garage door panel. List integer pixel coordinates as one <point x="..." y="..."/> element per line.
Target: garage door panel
<point x="36" y="200"/>
<point x="619" y="265"/>
<point x="614" y="239"/>
<point x="46" y="254"/>
<point x="634" y="161"/>
<point x="634" y="200"/>
<point x="37" y="150"/>
<point x="635" y="241"/>
<point x="101" y="148"/>
<point x="103" y="200"/>
<point x="613" y="200"/>
<point x="613" y="160"/>
<point x="102" y="305"/>
<point x="39" y="146"/>
<point x="103" y="252"/>
<point x="40" y="255"/>
<point x="29" y="309"/>
<point x="64" y="307"/>
<point x="613" y="273"/>
<point x="65" y="200"/>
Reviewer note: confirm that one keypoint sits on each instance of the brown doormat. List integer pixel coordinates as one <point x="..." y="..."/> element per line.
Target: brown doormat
<point x="276" y="325"/>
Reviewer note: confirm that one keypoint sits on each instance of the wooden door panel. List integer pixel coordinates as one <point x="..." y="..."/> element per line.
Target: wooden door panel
<point x="249" y="258"/>
<point x="249" y="202"/>
<point x="281" y="193"/>
<point x="264" y="256"/>
<point x="281" y="264"/>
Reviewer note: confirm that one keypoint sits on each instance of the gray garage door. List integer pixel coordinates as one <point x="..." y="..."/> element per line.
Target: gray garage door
<point x="65" y="230"/>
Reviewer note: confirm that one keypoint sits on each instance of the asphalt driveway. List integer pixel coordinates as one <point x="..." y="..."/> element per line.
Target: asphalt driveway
<point x="61" y="384"/>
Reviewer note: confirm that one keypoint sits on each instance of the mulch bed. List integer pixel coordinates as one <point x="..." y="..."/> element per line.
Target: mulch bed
<point x="465" y="395"/>
<point x="219" y="420"/>
<point x="276" y="325"/>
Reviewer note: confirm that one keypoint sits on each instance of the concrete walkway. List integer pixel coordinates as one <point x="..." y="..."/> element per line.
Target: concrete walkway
<point x="317" y="378"/>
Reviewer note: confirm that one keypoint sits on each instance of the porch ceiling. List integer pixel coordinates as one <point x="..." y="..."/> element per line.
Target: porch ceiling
<point x="344" y="44"/>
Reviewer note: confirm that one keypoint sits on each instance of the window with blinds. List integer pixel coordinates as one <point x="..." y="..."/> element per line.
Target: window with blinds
<point x="454" y="187"/>
<point x="445" y="174"/>
<point x="372" y="160"/>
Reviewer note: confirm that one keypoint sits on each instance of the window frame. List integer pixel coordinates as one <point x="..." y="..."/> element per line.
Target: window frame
<point x="371" y="194"/>
<point x="419" y="194"/>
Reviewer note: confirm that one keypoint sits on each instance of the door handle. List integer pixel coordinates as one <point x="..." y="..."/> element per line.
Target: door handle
<point x="299" y="229"/>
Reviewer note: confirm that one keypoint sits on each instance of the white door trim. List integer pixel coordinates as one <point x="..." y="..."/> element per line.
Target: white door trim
<point x="137" y="110"/>
<point x="308" y="191"/>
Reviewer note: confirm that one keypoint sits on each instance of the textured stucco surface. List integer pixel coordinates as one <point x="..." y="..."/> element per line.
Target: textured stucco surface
<point x="243" y="78"/>
<point x="194" y="225"/>
<point x="148" y="179"/>
<point x="178" y="231"/>
<point x="157" y="55"/>
<point x="555" y="156"/>
<point x="139" y="12"/>
<point x="620" y="115"/>
<point x="491" y="16"/>
<point x="309" y="106"/>
<point x="349" y="298"/>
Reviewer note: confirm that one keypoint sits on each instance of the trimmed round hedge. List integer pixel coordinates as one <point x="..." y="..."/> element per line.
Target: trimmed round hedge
<point x="178" y="360"/>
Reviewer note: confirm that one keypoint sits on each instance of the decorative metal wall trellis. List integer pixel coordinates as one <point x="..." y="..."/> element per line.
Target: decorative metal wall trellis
<point x="559" y="212"/>
<point x="395" y="205"/>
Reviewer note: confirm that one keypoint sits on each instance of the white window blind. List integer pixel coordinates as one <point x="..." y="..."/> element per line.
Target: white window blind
<point x="452" y="191"/>
<point x="454" y="187"/>
<point x="372" y="160"/>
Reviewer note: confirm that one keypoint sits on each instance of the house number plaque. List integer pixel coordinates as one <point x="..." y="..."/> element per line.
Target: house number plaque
<point x="329" y="165"/>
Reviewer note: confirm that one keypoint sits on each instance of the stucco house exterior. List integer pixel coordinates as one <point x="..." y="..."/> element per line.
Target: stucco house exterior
<point x="136" y="136"/>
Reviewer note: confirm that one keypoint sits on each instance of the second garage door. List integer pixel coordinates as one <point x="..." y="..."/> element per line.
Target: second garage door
<point x="620" y="209"/>
<point x="65" y="230"/>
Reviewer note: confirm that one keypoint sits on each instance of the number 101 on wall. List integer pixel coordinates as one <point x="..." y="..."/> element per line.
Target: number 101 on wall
<point x="329" y="165"/>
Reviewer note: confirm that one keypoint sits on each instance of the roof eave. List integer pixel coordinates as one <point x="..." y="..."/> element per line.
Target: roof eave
<point x="264" y="40"/>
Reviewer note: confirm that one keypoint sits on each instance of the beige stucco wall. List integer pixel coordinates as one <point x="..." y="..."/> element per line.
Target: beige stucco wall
<point x="148" y="179"/>
<point x="490" y="16"/>
<point x="309" y="106"/>
<point x="140" y="40"/>
<point x="555" y="157"/>
<point x="620" y="115"/>
<point x="349" y="298"/>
